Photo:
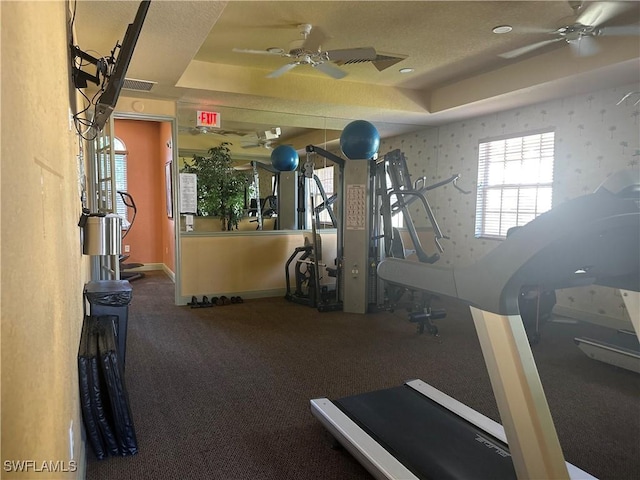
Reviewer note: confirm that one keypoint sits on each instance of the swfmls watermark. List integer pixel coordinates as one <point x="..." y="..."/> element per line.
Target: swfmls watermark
<point x="40" y="466"/>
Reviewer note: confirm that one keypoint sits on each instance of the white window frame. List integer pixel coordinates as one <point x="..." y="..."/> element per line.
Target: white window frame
<point x="120" y="152"/>
<point x="515" y="181"/>
<point x="397" y="220"/>
<point x="326" y="176"/>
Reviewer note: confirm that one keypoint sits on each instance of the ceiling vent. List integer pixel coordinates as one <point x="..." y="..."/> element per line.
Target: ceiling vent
<point x="382" y="61"/>
<point x="140" y="85"/>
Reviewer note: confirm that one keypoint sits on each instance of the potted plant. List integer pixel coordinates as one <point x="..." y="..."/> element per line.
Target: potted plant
<point x="221" y="188"/>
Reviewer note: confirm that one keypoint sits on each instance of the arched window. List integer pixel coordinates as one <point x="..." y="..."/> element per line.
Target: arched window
<point x="120" y="151"/>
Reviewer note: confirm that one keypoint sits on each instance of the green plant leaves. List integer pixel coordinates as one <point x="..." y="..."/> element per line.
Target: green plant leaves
<point x="221" y="188"/>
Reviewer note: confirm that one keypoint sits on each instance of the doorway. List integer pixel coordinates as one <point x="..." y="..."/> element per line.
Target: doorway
<point x="146" y="142"/>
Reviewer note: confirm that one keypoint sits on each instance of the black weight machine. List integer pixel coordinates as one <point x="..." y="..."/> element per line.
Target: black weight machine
<point x="308" y="257"/>
<point x="127" y="199"/>
<point x="535" y="301"/>
<point x="266" y="207"/>
<point x="387" y="201"/>
<point x="395" y="196"/>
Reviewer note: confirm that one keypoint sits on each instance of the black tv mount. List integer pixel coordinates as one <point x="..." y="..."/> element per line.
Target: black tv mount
<point x="80" y="77"/>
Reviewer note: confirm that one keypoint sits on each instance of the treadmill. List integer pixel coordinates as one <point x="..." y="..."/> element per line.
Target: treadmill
<point x="416" y="431"/>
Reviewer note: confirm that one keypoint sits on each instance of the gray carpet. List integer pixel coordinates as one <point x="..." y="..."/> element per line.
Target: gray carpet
<point x="223" y="392"/>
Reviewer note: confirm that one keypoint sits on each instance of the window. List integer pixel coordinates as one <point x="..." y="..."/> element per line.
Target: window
<point x="397" y="220"/>
<point x="515" y="182"/>
<point x="325" y="175"/>
<point x="120" y="151"/>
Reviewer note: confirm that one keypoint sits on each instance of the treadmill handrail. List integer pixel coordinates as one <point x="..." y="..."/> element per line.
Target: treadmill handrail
<point x="590" y="239"/>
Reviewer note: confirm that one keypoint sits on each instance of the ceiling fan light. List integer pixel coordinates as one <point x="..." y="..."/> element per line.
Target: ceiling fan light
<point x="275" y="50"/>
<point x="502" y="29"/>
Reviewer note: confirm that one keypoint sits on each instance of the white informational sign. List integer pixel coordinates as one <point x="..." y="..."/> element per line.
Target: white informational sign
<point x="188" y="193"/>
<point x="356" y="207"/>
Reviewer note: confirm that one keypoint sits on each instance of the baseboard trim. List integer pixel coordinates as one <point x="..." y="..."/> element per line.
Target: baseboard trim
<point x="149" y="267"/>
<point x="591" y="317"/>
<point x="169" y="273"/>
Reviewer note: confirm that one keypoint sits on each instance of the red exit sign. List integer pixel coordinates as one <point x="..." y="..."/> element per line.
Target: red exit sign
<point x="208" y="119"/>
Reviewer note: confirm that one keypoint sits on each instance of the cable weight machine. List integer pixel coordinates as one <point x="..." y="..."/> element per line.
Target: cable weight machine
<point x="369" y="194"/>
<point x="308" y="257"/>
<point x="395" y="193"/>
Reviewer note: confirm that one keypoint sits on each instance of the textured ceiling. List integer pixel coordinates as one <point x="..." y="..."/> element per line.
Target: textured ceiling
<point x="187" y="47"/>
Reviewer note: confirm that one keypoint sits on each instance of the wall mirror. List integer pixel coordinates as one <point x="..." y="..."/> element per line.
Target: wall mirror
<point x="270" y="200"/>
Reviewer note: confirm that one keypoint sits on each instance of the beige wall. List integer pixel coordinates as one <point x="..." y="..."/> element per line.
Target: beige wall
<point x="241" y="264"/>
<point x="594" y="138"/>
<point x="43" y="271"/>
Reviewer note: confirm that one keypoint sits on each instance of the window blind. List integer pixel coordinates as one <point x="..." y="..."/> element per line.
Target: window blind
<point x="121" y="183"/>
<point x="515" y="182"/>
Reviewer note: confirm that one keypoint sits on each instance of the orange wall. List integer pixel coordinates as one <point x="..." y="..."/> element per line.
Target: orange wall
<point x="145" y="179"/>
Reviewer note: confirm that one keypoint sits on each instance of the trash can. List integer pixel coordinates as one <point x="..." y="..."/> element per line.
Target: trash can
<point x="102" y="235"/>
<point x="111" y="297"/>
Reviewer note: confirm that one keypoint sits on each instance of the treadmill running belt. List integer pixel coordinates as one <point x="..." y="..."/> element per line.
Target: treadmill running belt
<point x="425" y="437"/>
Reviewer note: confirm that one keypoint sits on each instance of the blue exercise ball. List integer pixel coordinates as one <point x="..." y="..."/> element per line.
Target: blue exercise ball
<point x="284" y="158"/>
<point x="360" y="140"/>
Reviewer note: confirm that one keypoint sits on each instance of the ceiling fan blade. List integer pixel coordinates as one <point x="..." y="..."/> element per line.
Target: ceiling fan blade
<point x="330" y="70"/>
<point x="585" y="46"/>
<point x="529" y="48"/>
<point x="315" y="39"/>
<point x="243" y="167"/>
<point x="597" y="13"/>
<point x="257" y="52"/>
<point x="227" y="133"/>
<point x="257" y="145"/>
<point x="384" y="61"/>
<point x="282" y="70"/>
<point x="524" y="29"/>
<point x="352" y="54"/>
<point x="619" y="31"/>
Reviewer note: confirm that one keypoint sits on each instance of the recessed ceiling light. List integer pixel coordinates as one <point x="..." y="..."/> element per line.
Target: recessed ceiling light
<point x="502" y="29"/>
<point x="275" y="50"/>
<point x="406" y="70"/>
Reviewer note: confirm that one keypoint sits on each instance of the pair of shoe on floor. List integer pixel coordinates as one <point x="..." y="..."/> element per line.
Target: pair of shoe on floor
<point x="220" y="301"/>
<point x="226" y="301"/>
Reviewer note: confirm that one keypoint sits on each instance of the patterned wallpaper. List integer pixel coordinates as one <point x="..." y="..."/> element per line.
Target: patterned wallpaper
<point x="594" y="138"/>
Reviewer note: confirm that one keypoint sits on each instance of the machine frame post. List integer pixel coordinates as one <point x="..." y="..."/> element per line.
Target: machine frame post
<point x="524" y="411"/>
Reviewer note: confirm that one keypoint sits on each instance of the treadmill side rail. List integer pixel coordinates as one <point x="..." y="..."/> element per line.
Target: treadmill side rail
<point x="371" y="455"/>
<point x="608" y="353"/>
<point x="469" y="414"/>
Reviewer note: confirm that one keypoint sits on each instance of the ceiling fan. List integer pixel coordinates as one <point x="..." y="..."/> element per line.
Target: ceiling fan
<point x="581" y="35"/>
<point x="308" y="51"/>
<point x="259" y="143"/>
<point x="264" y="139"/>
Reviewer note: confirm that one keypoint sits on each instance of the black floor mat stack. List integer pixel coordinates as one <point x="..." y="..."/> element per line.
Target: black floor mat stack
<point x="103" y="396"/>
